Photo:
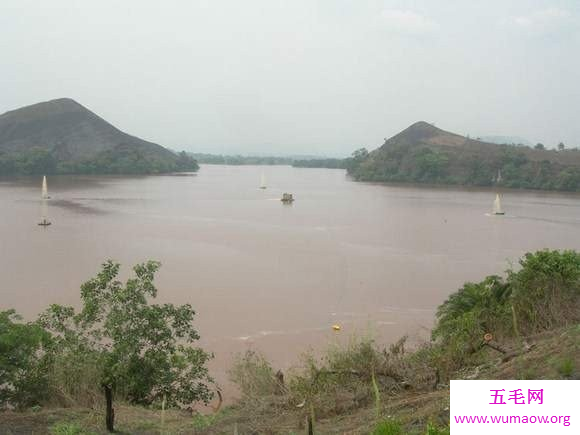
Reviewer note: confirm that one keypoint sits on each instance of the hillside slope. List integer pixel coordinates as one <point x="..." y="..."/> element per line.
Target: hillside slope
<point x="426" y="154"/>
<point x="63" y="136"/>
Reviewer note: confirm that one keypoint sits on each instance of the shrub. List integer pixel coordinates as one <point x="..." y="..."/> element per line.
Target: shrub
<point x="254" y="375"/>
<point x="546" y="290"/>
<point x="463" y="319"/>
<point x="24" y="358"/>
<point x="543" y="294"/>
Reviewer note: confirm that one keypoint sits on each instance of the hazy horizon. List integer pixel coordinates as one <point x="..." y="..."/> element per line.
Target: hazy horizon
<point x="304" y="77"/>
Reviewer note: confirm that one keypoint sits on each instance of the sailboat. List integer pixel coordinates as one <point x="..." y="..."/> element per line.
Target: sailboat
<point x="263" y="181"/>
<point x="44" y="188"/>
<point x="497" y="210"/>
<point x="44" y="222"/>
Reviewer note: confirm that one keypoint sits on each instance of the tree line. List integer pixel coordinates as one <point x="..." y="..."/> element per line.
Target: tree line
<point x="121" y="160"/>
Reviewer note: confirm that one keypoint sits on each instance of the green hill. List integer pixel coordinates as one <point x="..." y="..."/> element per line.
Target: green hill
<point x="62" y="136"/>
<point x="423" y="153"/>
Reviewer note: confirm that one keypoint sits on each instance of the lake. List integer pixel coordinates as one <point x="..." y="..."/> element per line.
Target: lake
<point x="375" y="259"/>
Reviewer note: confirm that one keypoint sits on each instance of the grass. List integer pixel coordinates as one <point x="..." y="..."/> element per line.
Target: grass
<point x="434" y="430"/>
<point x="566" y="367"/>
<point x="388" y="427"/>
<point x="64" y="428"/>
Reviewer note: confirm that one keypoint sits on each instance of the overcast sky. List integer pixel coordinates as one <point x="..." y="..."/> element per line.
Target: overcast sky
<point x="299" y="76"/>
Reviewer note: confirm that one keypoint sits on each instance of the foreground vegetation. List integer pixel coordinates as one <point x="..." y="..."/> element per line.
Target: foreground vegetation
<point x="525" y="325"/>
<point x="118" y="346"/>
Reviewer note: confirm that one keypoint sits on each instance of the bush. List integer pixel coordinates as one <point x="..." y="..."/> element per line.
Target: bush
<point x="475" y="309"/>
<point x="348" y="377"/>
<point x="24" y="359"/>
<point x="74" y="377"/>
<point x="254" y="376"/>
<point x="543" y="294"/>
<point x="546" y="290"/>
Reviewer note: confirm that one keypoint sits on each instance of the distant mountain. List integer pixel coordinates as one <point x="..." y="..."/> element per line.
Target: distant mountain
<point x="424" y="153"/>
<point x="62" y="136"/>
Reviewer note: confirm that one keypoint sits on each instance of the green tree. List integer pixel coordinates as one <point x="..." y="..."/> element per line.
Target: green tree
<point x="360" y="154"/>
<point x="143" y="351"/>
<point x="540" y="146"/>
<point x="561" y="146"/>
<point x="24" y="358"/>
<point x="430" y="165"/>
<point x="357" y="158"/>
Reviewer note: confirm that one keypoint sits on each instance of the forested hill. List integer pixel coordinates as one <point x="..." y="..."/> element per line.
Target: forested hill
<point x="424" y="153"/>
<point x="62" y="136"/>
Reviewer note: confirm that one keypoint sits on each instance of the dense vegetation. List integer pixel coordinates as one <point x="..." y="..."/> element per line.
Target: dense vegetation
<point x="121" y="160"/>
<point x="118" y="344"/>
<point x="543" y="294"/>
<point x="422" y="164"/>
<point x="424" y="153"/>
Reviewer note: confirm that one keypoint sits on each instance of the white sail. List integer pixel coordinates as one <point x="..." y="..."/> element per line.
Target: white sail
<point x="263" y="181"/>
<point x="44" y="204"/>
<point x="497" y="205"/>
<point x="44" y="188"/>
<point x="498" y="180"/>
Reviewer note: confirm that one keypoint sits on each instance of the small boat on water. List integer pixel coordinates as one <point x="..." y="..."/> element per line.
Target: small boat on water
<point x="287" y="198"/>
<point x="44" y="188"/>
<point x="497" y="209"/>
<point x="263" y="181"/>
<point x="44" y="222"/>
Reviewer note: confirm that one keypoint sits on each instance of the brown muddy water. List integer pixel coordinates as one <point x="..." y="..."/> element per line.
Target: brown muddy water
<point x="375" y="259"/>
